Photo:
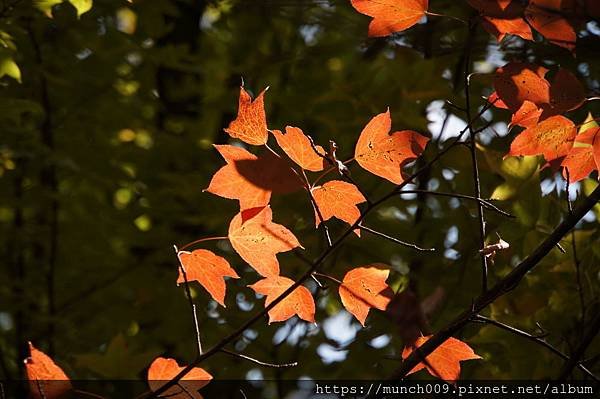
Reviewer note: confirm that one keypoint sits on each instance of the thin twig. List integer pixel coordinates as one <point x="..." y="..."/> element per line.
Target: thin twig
<point x="535" y="338"/>
<point x="503" y="286"/>
<point x="579" y="352"/>
<point x="473" y="150"/>
<point x="188" y="294"/>
<point x="395" y="240"/>
<point x="483" y="202"/>
<point x="259" y="362"/>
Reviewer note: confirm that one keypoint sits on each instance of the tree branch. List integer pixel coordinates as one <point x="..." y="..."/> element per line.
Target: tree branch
<point x="535" y="338"/>
<point x="574" y="360"/>
<point x="505" y="285"/>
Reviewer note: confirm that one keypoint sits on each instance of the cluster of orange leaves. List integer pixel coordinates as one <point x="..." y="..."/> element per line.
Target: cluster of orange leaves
<point x="535" y="103"/>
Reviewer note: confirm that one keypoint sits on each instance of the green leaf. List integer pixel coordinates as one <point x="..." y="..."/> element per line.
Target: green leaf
<point x="82" y="6"/>
<point x="9" y="67"/>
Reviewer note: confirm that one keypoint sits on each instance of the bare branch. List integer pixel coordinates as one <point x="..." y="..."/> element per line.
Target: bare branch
<point x="259" y="362"/>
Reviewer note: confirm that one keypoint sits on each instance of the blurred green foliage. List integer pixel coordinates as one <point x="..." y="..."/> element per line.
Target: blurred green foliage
<point x="107" y="119"/>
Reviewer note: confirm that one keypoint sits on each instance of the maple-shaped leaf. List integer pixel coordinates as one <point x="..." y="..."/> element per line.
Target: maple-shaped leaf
<point x="299" y="148"/>
<point x="566" y="92"/>
<point x="364" y="288"/>
<point x="584" y="157"/>
<point x="208" y="269"/>
<point x="383" y="153"/>
<point x="46" y="379"/>
<point x="390" y="16"/>
<point x="546" y="16"/>
<point x="444" y="361"/>
<point x="526" y="116"/>
<point x="251" y="179"/>
<point x="552" y="138"/>
<point x="258" y="240"/>
<point x="337" y="199"/>
<point x="517" y="82"/>
<point x="164" y="369"/>
<point x="299" y="302"/>
<point x="250" y="126"/>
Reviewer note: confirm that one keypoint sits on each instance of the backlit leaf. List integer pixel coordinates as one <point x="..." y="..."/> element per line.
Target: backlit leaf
<point x="338" y="199"/>
<point x="444" y="361"/>
<point x="208" y="269"/>
<point x="552" y="138"/>
<point x="299" y="302"/>
<point x="46" y="379"/>
<point x="364" y="288"/>
<point x="383" y="153"/>
<point x="250" y="126"/>
<point x="518" y="82"/>
<point x="526" y="116"/>
<point x="164" y="369"/>
<point x="258" y="240"/>
<point x="251" y="179"/>
<point x="390" y="16"/>
<point x="298" y="147"/>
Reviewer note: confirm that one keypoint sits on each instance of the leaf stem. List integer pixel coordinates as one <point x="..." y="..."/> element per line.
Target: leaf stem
<point x="189" y="244"/>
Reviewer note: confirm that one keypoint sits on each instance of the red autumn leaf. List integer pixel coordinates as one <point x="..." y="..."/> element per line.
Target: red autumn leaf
<point x="251" y="179"/>
<point x="46" y="379"/>
<point x="364" y="288"/>
<point x="584" y="158"/>
<point x="390" y="16"/>
<point x="444" y="361"/>
<point x="496" y="101"/>
<point x="298" y="147"/>
<point x="338" y="199"/>
<point x="552" y="138"/>
<point x="258" y="240"/>
<point x="163" y="369"/>
<point x="526" y="116"/>
<point x="591" y="137"/>
<point x="578" y="164"/>
<point x="299" y="302"/>
<point x="500" y="27"/>
<point x="546" y="16"/>
<point x="566" y="92"/>
<point x="250" y="126"/>
<point x="517" y="82"/>
<point x="383" y="153"/>
<point x="208" y="269"/>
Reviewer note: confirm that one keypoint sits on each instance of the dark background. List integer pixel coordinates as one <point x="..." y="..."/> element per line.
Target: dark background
<point x="106" y="129"/>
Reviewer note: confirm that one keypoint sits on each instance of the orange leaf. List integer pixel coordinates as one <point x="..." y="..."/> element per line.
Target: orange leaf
<point x="496" y="101"/>
<point x="258" y="240"/>
<point x="444" y="361"/>
<point x="579" y="163"/>
<point x="500" y="27"/>
<point x="46" y="379"/>
<point x="384" y="154"/>
<point x="364" y="288"/>
<point x="517" y="82"/>
<point x="526" y="116"/>
<point x="546" y="17"/>
<point x="552" y="138"/>
<point x="298" y="147"/>
<point x="251" y="179"/>
<point x="163" y="369"/>
<point x="583" y="160"/>
<point x="566" y="92"/>
<point x="250" y="126"/>
<point x="592" y="137"/>
<point x="299" y="302"/>
<point x="208" y="269"/>
<point x="338" y="199"/>
<point x="390" y="16"/>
